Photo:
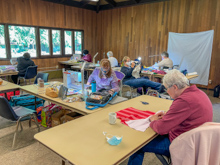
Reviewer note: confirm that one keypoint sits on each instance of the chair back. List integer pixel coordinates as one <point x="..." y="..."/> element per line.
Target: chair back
<point x="6" y="110"/>
<point x="43" y="76"/>
<point x="165" y="67"/>
<point x="120" y="75"/>
<point x="31" y="72"/>
<point x="198" y="146"/>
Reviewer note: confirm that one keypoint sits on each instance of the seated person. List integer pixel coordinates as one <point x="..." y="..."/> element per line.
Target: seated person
<point x="113" y="60"/>
<point x="191" y="108"/>
<point x="166" y="62"/>
<point x="144" y="82"/>
<point x="86" y="56"/>
<point x="23" y="63"/>
<point x="104" y="77"/>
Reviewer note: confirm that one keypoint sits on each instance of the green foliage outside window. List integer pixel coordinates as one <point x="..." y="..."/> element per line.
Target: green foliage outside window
<point x="22" y="39"/>
<point x="44" y="41"/>
<point x="56" y="41"/>
<point x="68" y="42"/>
<point x="2" y="42"/>
<point x="78" y="42"/>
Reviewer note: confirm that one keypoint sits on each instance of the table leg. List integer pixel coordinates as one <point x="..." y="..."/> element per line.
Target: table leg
<point x="63" y="162"/>
<point x="35" y="102"/>
<point x="6" y="96"/>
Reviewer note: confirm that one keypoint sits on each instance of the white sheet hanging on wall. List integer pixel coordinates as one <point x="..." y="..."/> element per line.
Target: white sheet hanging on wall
<point x="192" y="51"/>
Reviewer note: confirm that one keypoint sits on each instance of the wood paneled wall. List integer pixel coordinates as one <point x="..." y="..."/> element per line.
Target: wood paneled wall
<point x="130" y="31"/>
<point x="143" y="30"/>
<point x="41" y="13"/>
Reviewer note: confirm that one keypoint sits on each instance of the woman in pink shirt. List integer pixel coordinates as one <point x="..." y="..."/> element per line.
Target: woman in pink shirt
<point x="86" y="56"/>
<point x="191" y="108"/>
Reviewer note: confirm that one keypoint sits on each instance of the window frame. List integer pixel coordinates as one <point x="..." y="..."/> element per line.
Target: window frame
<point x="38" y="44"/>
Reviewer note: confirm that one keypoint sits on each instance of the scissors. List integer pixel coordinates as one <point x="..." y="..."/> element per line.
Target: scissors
<point x="145" y="103"/>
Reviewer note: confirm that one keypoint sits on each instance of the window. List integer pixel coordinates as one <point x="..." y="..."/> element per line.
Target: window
<point x="40" y="42"/>
<point x="56" y="42"/>
<point x="78" y="42"/>
<point x="44" y="42"/>
<point x="68" y="42"/>
<point x="22" y="39"/>
<point x="2" y="42"/>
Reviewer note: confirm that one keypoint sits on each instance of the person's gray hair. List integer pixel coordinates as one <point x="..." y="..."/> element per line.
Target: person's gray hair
<point x="165" y="54"/>
<point x="175" y="77"/>
<point x="27" y="55"/>
<point x="110" y="53"/>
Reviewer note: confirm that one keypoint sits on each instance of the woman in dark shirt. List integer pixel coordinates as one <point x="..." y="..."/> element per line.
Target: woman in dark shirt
<point x="144" y="82"/>
<point x="23" y="63"/>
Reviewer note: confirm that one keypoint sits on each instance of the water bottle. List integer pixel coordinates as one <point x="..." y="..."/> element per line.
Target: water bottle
<point x="93" y="86"/>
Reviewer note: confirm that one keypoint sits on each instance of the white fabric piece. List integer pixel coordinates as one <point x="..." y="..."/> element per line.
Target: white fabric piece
<point x="136" y="71"/>
<point x="140" y="124"/>
<point x="113" y="61"/>
<point x="192" y="51"/>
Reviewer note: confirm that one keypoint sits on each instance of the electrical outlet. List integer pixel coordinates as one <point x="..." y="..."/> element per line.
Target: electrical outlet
<point x="57" y="66"/>
<point x="210" y="81"/>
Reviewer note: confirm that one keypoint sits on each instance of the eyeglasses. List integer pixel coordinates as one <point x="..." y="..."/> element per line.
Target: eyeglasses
<point x="167" y="88"/>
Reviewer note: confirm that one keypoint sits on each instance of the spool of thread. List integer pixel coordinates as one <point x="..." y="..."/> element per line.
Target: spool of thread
<point x="93" y="86"/>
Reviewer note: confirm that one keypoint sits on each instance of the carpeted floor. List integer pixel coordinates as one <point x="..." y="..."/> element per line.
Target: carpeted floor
<point x="29" y="151"/>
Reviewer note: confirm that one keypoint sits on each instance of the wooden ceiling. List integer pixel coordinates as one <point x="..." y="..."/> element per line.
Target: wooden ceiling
<point x="98" y="5"/>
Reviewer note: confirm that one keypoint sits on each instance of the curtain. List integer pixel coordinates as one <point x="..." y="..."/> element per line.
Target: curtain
<point x="192" y="51"/>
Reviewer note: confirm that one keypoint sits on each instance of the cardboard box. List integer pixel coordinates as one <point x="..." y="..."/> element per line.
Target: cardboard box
<point x="57" y="116"/>
<point x="70" y="116"/>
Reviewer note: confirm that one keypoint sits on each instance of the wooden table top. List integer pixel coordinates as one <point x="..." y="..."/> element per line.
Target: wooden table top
<point x="74" y="106"/>
<point x="191" y="77"/>
<point x="8" y="73"/>
<point x="69" y="63"/>
<point x="162" y="75"/>
<point x="7" y="86"/>
<point x="81" y="141"/>
<point x="79" y="67"/>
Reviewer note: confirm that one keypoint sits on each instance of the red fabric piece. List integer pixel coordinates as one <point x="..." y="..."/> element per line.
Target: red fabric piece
<point x="2" y="94"/>
<point x="132" y="114"/>
<point x="159" y="72"/>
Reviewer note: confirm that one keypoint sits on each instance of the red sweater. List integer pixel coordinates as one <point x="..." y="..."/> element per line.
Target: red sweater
<point x="191" y="109"/>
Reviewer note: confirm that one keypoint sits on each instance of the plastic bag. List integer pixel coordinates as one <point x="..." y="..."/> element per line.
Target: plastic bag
<point x="136" y="71"/>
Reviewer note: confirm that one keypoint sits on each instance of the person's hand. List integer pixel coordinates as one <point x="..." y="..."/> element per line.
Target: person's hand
<point x="111" y="91"/>
<point x="157" y="116"/>
<point x="132" y="64"/>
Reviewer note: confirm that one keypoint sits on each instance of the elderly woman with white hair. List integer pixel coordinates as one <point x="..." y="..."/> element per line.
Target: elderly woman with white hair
<point x="113" y="60"/>
<point x="191" y="108"/>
